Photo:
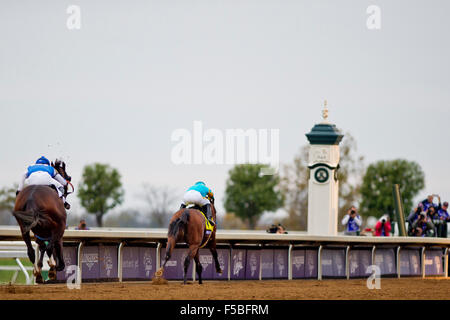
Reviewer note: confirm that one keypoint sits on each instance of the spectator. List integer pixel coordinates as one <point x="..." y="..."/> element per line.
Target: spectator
<point x="352" y="222"/>
<point x="82" y="225"/>
<point x="423" y="227"/>
<point x="383" y="227"/>
<point x="413" y="217"/>
<point x="428" y="202"/>
<point x="281" y="230"/>
<point x="433" y="216"/>
<point x="444" y="217"/>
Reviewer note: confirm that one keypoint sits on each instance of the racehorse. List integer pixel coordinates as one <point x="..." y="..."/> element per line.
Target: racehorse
<point x="38" y="208"/>
<point x="189" y="225"/>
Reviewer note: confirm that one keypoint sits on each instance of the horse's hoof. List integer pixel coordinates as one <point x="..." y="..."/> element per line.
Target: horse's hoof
<point x="39" y="279"/>
<point x="52" y="275"/>
<point x="159" y="273"/>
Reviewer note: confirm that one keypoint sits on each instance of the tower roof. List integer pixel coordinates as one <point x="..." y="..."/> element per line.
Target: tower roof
<point x="325" y="133"/>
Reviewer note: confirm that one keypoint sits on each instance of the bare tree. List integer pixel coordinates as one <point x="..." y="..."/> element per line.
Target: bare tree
<point x="160" y="204"/>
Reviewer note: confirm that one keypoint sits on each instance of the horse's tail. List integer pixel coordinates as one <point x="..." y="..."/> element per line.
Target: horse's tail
<point x="174" y="230"/>
<point x="29" y="217"/>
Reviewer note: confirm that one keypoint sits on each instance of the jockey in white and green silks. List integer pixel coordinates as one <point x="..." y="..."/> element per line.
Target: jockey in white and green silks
<point x="200" y="195"/>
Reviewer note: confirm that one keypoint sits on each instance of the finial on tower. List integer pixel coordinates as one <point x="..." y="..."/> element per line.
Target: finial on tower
<point x="325" y="112"/>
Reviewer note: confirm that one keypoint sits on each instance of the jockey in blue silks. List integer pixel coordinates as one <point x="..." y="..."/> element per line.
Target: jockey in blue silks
<point x="200" y="195"/>
<point x="42" y="173"/>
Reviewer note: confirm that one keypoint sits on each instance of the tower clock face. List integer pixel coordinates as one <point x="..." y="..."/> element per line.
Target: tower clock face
<point x="321" y="175"/>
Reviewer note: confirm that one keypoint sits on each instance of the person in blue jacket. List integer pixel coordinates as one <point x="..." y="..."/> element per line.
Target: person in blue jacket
<point x="42" y="173"/>
<point x="200" y="195"/>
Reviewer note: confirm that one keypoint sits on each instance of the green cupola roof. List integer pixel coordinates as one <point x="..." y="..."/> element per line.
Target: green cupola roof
<point x="324" y="133"/>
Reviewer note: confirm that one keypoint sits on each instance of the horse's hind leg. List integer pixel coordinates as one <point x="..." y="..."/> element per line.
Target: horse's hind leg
<point x="60" y="265"/>
<point x="51" y="261"/>
<point x="37" y="273"/>
<point x="193" y="250"/>
<point x="213" y="250"/>
<point x="30" y="249"/>
<point x="198" y="267"/>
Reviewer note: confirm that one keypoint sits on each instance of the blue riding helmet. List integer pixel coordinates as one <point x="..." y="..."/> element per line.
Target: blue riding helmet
<point x="200" y="182"/>
<point x="43" y="160"/>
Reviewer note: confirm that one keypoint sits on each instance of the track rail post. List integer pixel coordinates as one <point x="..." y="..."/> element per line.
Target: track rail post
<point x="423" y="262"/>
<point x="79" y="263"/>
<point x="120" y="261"/>
<point x="398" y="261"/>
<point x="290" y="262"/>
<point x="319" y="263"/>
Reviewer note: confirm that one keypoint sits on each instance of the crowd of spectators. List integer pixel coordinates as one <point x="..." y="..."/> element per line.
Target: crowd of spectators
<point x="429" y="219"/>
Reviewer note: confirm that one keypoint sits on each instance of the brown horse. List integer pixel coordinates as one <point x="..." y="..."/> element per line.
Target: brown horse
<point x="38" y="208"/>
<point x="188" y="225"/>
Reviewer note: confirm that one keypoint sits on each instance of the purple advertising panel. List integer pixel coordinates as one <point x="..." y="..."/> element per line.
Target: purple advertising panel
<point x="433" y="262"/>
<point x="359" y="261"/>
<point x="311" y="263"/>
<point x="223" y="255"/>
<point x="238" y="259"/>
<point x="410" y="262"/>
<point x="252" y="265"/>
<point x="298" y="264"/>
<point x="385" y="260"/>
<point x="147" y="262"/>
<point x="90" y="266"/>
<point x="267" y="264"/>
<point x="280" y="263"/>
<point x="70" y="259"/>
<point x="108" y="262"/>
<point x="333" y="263"/>
<point x="174" y="269"/>
<point x="207" y="262"/>
<point x="130" y="263"/>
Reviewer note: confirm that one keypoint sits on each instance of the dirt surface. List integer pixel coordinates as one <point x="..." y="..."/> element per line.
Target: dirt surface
<point x="436" y="289"/>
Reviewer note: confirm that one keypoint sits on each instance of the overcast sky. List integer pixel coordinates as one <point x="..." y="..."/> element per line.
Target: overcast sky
<point x="115" y="90"/>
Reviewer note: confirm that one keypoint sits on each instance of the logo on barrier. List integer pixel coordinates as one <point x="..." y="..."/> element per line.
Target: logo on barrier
<point x="298" y="261"/>
<point x="90" y="259"/>
<point x="280" y="264"/>
<point x="253" y="264"/>
<point x="374" y="281"/>
<point x="205" y="260"/>
<point x="238" y="263"/>
<point x="108" y="262"/>
<point x="148" y="261"/>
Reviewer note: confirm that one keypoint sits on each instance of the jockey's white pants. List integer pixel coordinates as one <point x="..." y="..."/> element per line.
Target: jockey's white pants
<point x="194" y="197"/>
<point x="43" y="178"/>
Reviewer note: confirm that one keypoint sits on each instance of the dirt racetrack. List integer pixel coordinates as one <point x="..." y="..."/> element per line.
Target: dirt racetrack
<point x="406" y="288"/>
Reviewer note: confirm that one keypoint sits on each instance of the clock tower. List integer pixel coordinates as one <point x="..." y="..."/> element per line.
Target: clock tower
<point x="323" y="187"/>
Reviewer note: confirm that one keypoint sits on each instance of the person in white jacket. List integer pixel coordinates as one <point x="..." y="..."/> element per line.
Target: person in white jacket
<point x="352" y="221"/>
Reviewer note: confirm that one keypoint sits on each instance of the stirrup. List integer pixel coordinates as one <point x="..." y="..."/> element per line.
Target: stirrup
<point x="66" y="205"/>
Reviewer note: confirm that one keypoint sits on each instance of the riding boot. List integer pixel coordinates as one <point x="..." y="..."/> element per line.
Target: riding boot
<point x="208" y="213"/>
<point x="182" y="206"/>
<point x="66" y="204"/>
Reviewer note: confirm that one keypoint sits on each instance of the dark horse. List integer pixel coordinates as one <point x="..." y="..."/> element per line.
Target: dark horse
<point x="188" y="225"/>
<point x="38" y="208"/>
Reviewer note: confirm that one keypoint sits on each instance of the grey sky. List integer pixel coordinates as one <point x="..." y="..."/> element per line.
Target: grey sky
<point x="115" y="90"/>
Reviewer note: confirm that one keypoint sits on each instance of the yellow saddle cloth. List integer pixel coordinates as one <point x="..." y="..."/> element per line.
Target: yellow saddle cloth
<point x="208" y="231"/>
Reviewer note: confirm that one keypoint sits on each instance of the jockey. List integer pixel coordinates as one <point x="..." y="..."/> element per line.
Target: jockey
<point x="42" y="173"/>
<point x="201" y="195"/>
